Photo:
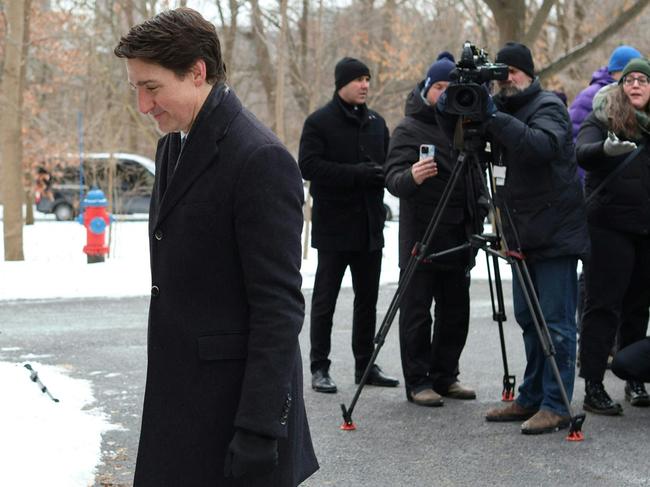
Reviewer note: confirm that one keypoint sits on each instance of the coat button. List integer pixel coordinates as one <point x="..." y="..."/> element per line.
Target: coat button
<point x="158" y="234"/>
<point x="155" y="291"/>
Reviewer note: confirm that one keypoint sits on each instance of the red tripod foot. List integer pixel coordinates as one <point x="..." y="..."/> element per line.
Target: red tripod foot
<point x="575" y="429"/>
<point x="508" y="394"/>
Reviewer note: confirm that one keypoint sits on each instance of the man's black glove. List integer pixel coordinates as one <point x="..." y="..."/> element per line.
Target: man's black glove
<point x="251" y="455"/>
<point x="369" y="175"/>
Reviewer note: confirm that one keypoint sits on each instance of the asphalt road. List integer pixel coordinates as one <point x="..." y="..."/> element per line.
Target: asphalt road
<point x="396" y="443"/>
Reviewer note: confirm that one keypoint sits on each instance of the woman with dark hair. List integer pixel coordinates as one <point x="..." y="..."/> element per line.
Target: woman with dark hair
<point x="615" y="138"/>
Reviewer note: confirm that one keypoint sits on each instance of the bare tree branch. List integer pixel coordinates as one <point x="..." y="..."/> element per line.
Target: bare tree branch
<point x="538" y="22"/>
<point x="576" y="53"/>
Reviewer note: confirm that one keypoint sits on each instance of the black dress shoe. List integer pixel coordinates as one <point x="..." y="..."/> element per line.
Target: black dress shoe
<point x="636" y="394"/>
<point x="322" y="382"/>
<point x="598" y="401"/>
<point x="376" y="378"/>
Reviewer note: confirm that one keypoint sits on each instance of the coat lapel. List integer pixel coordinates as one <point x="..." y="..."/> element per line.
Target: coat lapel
<point x="201" y="147"/>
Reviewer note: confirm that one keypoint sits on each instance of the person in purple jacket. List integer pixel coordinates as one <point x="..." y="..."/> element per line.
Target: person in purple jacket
<point x="581" y="106"/>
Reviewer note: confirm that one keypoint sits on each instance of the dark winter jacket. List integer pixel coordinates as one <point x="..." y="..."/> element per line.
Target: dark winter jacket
<point x="531" y="135"/>
<point x="581" y="106"/>
<point x="335" y="141"/>
<point x="226" y="306"/>
<point x="417" y="203"/>
<point x="624" y="202"/>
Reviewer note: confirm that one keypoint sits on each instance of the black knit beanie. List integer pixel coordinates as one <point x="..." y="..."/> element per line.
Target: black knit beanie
<point x="518" y="56"/>
<point x="348" y="69"/>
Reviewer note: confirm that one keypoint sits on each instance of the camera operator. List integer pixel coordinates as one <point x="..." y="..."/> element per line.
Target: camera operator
<point x="530" y="134"/>
<point x="430" y="362"/>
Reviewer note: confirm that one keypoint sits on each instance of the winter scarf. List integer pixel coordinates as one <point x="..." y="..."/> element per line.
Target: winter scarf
<point x="603" y="105"/>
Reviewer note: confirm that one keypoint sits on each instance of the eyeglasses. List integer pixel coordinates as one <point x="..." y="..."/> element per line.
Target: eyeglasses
<point x="629" y="80"/>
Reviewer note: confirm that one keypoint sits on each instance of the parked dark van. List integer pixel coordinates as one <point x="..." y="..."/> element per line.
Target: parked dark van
<point x="126" y="179"/>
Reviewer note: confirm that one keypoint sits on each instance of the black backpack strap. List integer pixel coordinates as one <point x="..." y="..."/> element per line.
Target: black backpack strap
<point x="615" y="172"/>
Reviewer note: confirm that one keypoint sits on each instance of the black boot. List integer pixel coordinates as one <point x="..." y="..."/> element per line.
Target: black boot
<point x="598" y="401"/>
<point x="636" y="394"/>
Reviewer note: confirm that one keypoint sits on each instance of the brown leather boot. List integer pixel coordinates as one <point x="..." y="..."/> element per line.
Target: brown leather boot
<point x="426" y="397"/>
<point x="512" y="412"/>
<point x="544" y="422"/>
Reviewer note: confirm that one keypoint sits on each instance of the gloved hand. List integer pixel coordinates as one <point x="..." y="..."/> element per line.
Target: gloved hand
<point x="613" y="146"/>
<point x="251" y="455"/>
<point x="490" y="108"/>
<point x="369" y="175"/>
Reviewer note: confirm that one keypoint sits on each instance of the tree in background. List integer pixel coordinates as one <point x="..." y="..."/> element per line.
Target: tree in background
<point x="11" y="117"/>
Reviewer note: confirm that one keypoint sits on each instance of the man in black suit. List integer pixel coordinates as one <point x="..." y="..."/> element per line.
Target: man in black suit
<point x="342" y="150"/>
<point x="223" y="402"/>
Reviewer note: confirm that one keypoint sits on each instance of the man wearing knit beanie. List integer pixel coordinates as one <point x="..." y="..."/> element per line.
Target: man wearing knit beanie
<point x="430" y="352"/>
<point x="521" y="68"/>
<point x="531" y="141"/>
<point x="439" y="71"/>
<point x="342" y="150"/>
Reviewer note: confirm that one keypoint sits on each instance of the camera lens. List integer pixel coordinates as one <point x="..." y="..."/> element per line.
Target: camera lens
<point x="466" y="98"/>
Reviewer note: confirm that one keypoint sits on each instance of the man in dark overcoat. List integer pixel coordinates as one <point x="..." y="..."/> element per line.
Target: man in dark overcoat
<point x="342" y="150"/>
<point x="223" y="402"/>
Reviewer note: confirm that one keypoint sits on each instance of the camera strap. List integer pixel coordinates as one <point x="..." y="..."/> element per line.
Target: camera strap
<point x="615" y="172"/>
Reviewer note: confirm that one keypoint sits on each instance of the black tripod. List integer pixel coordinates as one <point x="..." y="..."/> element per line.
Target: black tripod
<point x="467" y="162"/>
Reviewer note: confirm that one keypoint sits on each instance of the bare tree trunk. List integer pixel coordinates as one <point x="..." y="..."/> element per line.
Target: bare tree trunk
<point x="230" y="27"/>
<point x="11" y="100"/>
<point x="281" y="68"/>
<point x="510" y="17"/>
<point x="264" y="65"/>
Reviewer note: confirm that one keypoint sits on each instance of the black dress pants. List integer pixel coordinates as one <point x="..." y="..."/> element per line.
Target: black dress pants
<point x="633" y="362"/>
<point x="617" y="289"/>
<point x="430" y="357"/>
<point x="365" y="268"/>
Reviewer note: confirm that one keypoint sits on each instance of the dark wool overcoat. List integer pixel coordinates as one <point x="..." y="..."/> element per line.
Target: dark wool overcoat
<point x="226" y="305"/>
<point x="335" y="138"/>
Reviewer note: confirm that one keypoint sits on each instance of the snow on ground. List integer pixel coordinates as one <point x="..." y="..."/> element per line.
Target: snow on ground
<point x="43" y="442"/>
<point x="55" y="266"/>
<point x="58" y="444"/>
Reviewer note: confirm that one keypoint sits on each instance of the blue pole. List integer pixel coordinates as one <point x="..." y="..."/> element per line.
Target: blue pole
<point x="80" y="125"/>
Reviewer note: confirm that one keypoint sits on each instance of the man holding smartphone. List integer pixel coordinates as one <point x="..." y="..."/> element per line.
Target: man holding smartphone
<point x="342" y="149"/>
<point x="418" y="177"/>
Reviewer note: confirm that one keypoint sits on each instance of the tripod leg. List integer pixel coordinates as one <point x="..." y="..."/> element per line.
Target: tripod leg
<point x="418" y="254"/>
<point x="523" y="276"/>
<point x="499" y="315"/>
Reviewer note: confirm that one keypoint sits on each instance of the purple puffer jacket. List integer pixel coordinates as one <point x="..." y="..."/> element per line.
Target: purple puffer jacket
<point x="581" y="106"/>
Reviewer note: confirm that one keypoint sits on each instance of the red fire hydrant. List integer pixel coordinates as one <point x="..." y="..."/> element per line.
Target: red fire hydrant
<point x="95" y="218"/>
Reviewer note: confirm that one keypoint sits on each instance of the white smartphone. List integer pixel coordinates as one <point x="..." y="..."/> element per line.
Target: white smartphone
<point x="427" y="150"/>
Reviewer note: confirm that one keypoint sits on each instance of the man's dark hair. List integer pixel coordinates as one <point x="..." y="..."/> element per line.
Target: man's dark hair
<point x="175" y="39"/>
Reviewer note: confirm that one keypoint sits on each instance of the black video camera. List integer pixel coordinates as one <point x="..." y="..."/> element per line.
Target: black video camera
<point x="465" y="96"/>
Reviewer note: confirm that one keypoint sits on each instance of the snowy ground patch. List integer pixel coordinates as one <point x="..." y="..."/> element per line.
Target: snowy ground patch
<point x="56" y="267"/>
<point x="43" y="443"/>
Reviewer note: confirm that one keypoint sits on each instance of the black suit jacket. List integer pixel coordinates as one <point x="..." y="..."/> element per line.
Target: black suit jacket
<point x="226" y="305"/>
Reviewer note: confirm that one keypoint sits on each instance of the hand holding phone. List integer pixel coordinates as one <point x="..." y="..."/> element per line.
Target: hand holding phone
<point x="427" y="150"/>
<point x="426" y="166"/>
